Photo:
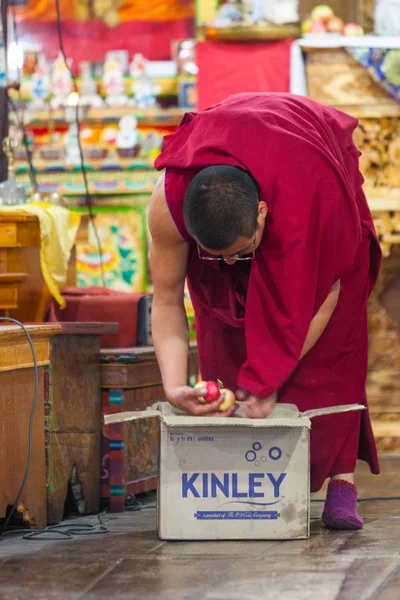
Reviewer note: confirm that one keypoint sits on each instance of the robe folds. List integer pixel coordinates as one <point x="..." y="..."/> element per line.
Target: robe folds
<point x="252" y="318"/>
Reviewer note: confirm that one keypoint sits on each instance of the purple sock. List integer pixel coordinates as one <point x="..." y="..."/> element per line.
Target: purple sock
<point x="340" y="510"/>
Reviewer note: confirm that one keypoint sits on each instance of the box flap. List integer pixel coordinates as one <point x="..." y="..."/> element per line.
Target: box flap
<point x="282" y="415"/>
<point x="332" y="410"/>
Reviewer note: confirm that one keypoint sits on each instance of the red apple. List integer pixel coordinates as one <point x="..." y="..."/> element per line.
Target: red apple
<point x="335" y="25"/>
<point x="353" y="29"/>
<point x="212" y="391"/>
<point x="317" y="27"/>
<point x="228" y="401"/>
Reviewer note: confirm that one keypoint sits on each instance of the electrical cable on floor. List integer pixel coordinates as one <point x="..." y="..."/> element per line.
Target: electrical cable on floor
<point x="88" y="197"/>
<point x="132" y="504"/>
<point x="62" y="531"/>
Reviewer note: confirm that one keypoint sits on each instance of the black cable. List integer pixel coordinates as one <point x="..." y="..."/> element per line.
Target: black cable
<point x="88" y="197"/>
<point x="63" y="531"/>
<point x="20" y="109"/>
<point x="30" y="435"/>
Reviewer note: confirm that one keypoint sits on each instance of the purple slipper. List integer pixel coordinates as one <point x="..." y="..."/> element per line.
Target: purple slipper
<point x="340" y="510"/>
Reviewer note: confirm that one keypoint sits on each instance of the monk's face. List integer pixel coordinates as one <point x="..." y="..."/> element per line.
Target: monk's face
<point x="244" y="246"/>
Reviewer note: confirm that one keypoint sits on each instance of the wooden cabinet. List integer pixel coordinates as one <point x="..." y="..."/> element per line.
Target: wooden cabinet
<point x="67" y="423"/>
<point x="131" y="380"/>
<point x="23" y="293"/>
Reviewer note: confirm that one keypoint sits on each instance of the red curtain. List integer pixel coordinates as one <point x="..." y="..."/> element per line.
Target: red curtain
<point x="230" y="68"/>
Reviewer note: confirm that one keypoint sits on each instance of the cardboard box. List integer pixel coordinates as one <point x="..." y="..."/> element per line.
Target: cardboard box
<point x="234" y="478"/>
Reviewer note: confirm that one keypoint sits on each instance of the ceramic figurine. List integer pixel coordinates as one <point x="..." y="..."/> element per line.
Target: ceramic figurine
<point x="229" y="13"/>
<point x="127" y="141"/>
<point x="40" y="84"/>
<point x="258" y="10"/>
<point x="114" y="83"/>
<point x="61" y="85"/>
<point x="88" y="88"/>
<point x="143" y="87"/>
<point x="12" y="193"/>
<point x="281" y="12"/>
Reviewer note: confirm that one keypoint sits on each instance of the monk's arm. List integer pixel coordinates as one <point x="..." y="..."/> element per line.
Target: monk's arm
<point x="168" y="263"/>
<point x="321" y="319"/>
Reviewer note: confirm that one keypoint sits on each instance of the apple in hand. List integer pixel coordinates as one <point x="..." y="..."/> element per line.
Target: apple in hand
<point x="228" y="401"/>
<point x="212" y="388"/>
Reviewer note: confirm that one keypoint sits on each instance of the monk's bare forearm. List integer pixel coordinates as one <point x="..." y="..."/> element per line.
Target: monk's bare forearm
<point x="321" y="319"/>
<point x="171" y="342"/>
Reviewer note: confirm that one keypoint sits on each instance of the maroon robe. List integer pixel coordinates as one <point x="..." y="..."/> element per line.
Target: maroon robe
<point x="252" y="318"/>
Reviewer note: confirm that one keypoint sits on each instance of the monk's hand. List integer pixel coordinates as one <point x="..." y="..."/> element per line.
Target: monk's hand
<point x="258" y="408"/>
<point x="242" y="394"/>
<point x="186" y="398"/>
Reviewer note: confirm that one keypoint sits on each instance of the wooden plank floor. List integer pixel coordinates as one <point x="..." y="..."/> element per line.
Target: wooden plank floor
<point x="130" y="562"/>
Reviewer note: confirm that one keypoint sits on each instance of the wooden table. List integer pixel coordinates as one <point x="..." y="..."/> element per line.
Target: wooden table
<point x="67" y="423"/>
<point x="131" y="380"/>
<point x="23" y="293"/>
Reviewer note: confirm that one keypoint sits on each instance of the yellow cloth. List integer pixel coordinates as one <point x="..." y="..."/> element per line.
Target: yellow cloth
<point x="58" y="229"/>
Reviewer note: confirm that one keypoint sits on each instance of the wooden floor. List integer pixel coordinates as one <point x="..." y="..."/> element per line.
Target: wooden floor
<point x="130" y="562"/>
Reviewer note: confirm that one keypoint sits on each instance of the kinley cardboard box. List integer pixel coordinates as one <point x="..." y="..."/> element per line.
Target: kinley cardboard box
<point x="233" y="478"/>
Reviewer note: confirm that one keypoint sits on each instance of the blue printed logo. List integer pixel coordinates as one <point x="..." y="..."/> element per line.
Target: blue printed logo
<point x="251" y="456"/>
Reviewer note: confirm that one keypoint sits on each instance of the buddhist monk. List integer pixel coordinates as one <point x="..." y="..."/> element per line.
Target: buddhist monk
<point x="261" y="209"/>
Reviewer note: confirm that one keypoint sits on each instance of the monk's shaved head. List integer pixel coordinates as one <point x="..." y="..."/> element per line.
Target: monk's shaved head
<point x="221" y="204"/>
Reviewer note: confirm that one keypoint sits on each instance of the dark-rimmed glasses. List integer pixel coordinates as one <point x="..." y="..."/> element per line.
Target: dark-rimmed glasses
<point x="248" y="256"/>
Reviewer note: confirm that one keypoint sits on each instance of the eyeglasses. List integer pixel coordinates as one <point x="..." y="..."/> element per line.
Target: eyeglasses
<point x="249" y="256"/>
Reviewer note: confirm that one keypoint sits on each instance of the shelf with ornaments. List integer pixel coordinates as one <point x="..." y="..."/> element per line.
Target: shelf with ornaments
<point x="250" y="21"/>
<point x="152" y="117"/>
<point x="122" y="120"/>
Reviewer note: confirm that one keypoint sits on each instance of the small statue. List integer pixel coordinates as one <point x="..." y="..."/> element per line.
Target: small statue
<point x="88" y="88"/>
<point x="258" y="11"/>
<point x="12" y="193"/>
<point x="40" y="84"/>
<point x="127" y="141"/>
<point x="61" y="83"/>
<point x="114" y="83"/>
<point x="281" y="12"/>
<point x="143" y="87"/>
<point x="230" y="13"/>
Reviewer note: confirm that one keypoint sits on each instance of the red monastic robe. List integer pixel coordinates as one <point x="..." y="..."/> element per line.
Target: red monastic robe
<point x="252" y="318"/>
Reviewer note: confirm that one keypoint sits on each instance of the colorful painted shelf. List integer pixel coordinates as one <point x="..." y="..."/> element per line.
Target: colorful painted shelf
<point x="41" y="119"/>
<point x="105" y="178"/>
<point x="168" y="87"/>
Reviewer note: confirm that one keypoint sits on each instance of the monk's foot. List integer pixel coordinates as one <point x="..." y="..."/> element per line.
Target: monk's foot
<point x="340" y="510"/>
